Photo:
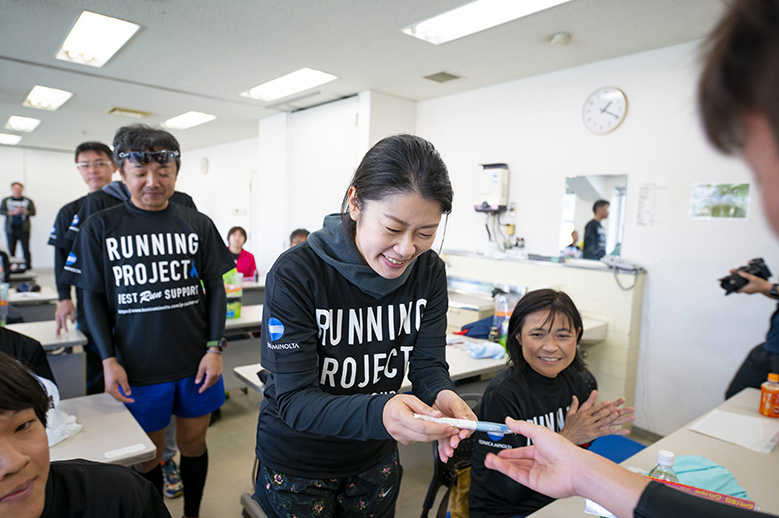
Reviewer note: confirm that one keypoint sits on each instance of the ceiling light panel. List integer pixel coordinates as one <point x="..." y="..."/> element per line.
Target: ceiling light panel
<point x="45" y="98"/>
<point x="475" y="17"/>
<point x="9" y="140"/>
<point x="298" y="81"/>
<point x="95" y="38"/>
<point x="17" y="123"/>
<point x="128" y="113"/>
<point x="188" y="120"/>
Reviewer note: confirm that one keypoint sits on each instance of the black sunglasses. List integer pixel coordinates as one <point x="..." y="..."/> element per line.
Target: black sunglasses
<point x="145" y="157"/>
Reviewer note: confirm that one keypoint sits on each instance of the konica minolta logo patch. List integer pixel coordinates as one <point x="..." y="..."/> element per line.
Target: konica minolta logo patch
<point x="74" y="222"/>
<point x="71" y="258"/>
<point x="275" y="328"/>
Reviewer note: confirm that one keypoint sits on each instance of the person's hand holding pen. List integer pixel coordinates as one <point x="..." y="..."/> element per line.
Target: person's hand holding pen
<point x="451" y="405"/>
<point x="398" y="419"/>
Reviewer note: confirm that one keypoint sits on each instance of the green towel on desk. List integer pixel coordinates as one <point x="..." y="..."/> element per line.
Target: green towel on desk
<point x="698" y="471"/>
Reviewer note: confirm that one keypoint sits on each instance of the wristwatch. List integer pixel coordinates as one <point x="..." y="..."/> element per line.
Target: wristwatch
<point x="219" y="344"/>
<point x="774" y="291"/>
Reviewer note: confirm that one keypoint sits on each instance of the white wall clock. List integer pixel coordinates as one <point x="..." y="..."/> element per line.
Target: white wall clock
<point x="605" y="109"/>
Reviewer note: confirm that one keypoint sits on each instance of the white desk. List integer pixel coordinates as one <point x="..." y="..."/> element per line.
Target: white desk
<point x="110" y="433"/>
<point x="461" y="365"/>
<point x="45" y="333"/>
<point x="248" y="375"/>
<point x="251" y="317"/>
<point x="754" y="471"/>
<point x="253" y="292"/>
<point x="64" y="352"/>
<point x="243" y="344"/>
<point x="34" y="306"/>
<point x="27" y="298"/>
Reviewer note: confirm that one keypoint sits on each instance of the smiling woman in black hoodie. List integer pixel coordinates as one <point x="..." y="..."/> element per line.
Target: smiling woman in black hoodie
<point x="344" y="314"/>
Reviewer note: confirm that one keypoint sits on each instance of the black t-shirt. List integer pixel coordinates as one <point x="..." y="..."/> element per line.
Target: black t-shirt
<point x="337" y="355"/>
<point x="99" y="200"/>
<point x="83" y="489"/>
<point x="149" y="266"/>
<point x="594" y="240"/>
<point x="62" y="222"/>
<point x="27" y="351"/>
<point x="527" y="396"/>
<point x="58" y="239"/>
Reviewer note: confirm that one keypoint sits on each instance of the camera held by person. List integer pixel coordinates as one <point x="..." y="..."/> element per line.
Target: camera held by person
<point x="735" y="282"/>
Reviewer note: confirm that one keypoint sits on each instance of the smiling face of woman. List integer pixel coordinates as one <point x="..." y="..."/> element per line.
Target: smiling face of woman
<point x="394" y="231"/>
<point x="548" y="347"/>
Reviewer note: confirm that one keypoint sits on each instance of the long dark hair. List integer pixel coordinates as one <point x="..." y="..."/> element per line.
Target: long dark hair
<point x="395" y="165"/>
<point x="559" y="304"/>
<point x="19" y="390"/>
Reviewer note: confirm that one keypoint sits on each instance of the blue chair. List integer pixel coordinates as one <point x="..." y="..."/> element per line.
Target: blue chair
<point x="615" y="447"/>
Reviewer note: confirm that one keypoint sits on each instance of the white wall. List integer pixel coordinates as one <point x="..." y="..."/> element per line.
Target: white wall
<point x="223" y="192"/>
<point x="50" y="180"/>
<point x="693" y="338"/>
<point x="307" y="158"/>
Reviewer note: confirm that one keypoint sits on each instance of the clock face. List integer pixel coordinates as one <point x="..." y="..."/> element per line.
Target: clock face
<point x="604" y="110"/>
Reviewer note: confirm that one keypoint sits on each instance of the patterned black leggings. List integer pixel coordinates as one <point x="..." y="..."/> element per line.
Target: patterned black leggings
<point x="372" y="493"/>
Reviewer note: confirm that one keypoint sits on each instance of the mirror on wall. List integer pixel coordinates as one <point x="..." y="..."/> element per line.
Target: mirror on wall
<point x="581" y="193"/>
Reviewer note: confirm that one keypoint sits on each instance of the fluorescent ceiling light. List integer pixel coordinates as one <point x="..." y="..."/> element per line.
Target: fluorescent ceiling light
<point x="45" y="98"/>
<point x="128" y="113"/>
<point x="289" y="84"/>
<point x="17" y="123"/>
<point x="95" y="38"/>
<point x="474" y="17"/>
<point x="10" y="140"/>
<point x="188" y="120"/>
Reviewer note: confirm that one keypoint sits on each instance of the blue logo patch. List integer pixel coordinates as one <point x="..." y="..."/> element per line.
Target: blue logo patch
<point x="193" y="272"/>
<point x="71" y="258"/>
<point x="495" y="436"/>
<point x="275" y="328"/>
<point x="53" y="229"/>
<point x="75" y="220"/>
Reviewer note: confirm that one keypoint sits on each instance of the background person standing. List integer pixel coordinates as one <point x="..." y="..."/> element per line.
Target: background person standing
<point x="17" y="211"/>
<point x="594" y="233"/>
<point x="95" y="162"/>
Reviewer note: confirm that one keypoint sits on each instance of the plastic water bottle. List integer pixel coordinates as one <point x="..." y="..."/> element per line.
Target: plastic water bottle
<point x="769" y="396"/>
<point x="501" y="319"/>
<point x="664" y="470"/>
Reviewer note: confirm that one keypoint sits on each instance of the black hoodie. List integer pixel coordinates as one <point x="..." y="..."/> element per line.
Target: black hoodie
<point x="337" y="338"/>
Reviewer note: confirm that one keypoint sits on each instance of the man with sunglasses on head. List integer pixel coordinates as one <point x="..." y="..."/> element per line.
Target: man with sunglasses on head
<point x="109" y="195"/>
<point x="155" y="303"/>
<point x="95" y="162"/>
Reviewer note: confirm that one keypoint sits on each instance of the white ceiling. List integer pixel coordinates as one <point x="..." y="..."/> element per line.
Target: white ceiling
<point x="200" y="54"/>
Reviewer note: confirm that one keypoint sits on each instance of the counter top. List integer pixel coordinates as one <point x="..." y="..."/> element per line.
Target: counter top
<point x="584" y="264"/>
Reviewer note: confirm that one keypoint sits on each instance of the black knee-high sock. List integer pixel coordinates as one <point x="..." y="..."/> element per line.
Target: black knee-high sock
<point x="193" y="475"/>
<point x="155" y="477"/>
